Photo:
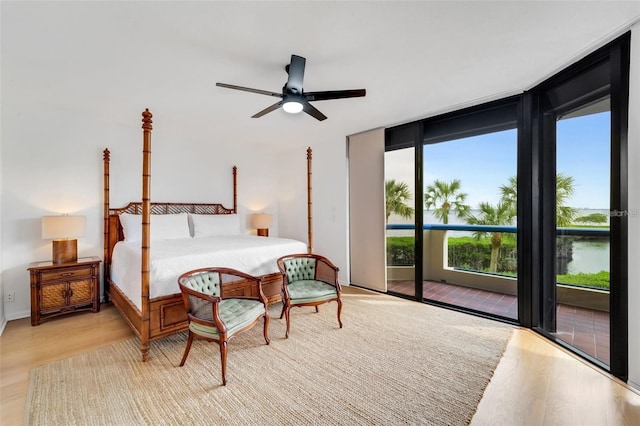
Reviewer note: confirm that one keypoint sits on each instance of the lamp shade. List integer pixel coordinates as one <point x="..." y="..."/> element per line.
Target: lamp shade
<point x="59" y="227"/>
<point x="261" y="220"/>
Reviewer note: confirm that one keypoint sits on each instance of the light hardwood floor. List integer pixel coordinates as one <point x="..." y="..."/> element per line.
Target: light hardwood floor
<point x="536" y="382"/>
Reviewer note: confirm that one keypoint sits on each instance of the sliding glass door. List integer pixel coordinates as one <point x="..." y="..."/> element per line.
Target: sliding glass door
<point x="451" y="204"/>
<point x="399" y="172"/>
<point x="470" y="226"/>
<point x="583" y="146"/>
<point x="581" y="289"/>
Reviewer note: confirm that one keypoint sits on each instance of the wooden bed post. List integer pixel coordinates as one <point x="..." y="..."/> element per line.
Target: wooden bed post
<point x="309" y="204"/>
<point x="106" y="157"/>
<point x="146" y="231"/>
<point x="235" y="189"/>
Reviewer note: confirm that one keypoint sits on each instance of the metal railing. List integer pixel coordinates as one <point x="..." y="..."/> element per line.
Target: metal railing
<point x="564" y="248"/>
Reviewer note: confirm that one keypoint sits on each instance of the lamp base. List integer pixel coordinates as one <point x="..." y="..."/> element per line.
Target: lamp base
<point x="263" y="232"/>
<point x="65" y="251"/>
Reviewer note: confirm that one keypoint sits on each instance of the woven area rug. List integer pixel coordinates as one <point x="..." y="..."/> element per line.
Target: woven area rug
<point x="394" y="362"/>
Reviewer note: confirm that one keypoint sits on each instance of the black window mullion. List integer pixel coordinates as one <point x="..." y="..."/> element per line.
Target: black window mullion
<point x="527" y="207"/>
<point x="419" y="210"/>
<point x="619" y="230"/>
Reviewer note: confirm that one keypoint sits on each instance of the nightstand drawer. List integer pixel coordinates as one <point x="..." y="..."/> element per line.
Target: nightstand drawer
<point x="66" y="273"/>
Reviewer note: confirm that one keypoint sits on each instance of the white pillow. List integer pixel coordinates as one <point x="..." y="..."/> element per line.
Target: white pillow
<point x="213" y="225"/>
<point x="131" y="226"/>
<point x="163" y="226"/>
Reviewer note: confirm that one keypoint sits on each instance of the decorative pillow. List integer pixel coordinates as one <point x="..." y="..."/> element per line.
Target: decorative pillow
<point x="163" y="226"/>
<point x="212" y="225"/>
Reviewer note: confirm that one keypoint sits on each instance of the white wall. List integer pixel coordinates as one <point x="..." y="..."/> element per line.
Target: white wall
<point x="634" y="206"/>
<point x="3" y="318"/>
<point x="328" y="198"/>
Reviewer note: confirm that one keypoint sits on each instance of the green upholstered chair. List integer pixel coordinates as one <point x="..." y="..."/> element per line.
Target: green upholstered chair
<point x="215" y="310"/>
<point x="308" y="280"/>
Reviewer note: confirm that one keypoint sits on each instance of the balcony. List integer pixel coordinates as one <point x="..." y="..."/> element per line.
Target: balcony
<point x="582" y="309"/>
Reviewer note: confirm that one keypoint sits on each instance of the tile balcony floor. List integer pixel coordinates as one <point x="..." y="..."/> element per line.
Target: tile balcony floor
<point x="585" y="329"/>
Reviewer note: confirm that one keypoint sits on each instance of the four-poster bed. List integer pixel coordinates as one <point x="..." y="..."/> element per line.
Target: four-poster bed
<point x="154" y="313"/>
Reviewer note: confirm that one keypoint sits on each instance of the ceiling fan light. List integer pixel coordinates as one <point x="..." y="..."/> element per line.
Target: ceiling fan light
<point x="292" y="107"/>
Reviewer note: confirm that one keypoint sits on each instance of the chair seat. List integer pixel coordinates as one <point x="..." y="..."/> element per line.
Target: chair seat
<point x="304" y="291"/>
<point x="234" y="313"/>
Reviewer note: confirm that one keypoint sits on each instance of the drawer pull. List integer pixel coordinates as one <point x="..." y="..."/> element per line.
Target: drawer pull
<point x="67" y="274"/>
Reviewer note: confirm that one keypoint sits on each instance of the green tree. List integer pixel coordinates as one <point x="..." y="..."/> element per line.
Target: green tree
<point x="509" y="194"/>
<point x="592" y="218"/>
<point x="565" y="215"/>
<point x="445" y="196"/>
<point x="397" y="195"/>
<point x="500" y="214"/>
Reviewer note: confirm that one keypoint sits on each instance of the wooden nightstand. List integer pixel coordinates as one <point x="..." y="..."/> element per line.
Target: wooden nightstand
<point x="60" y="289"/>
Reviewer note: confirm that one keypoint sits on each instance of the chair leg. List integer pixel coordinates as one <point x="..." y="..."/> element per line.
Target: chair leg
<point x="223" y="359"/>
<point x="286" y="315"/>
<point x="283" y="308"/>
<point x="186" y="350"/>
<point x="317" y="310"/>
<point x="267" y="320"/>
<point x="339" y="312"/>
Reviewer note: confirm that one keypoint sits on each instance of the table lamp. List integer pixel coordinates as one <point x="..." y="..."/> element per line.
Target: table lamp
<point x="262" y="222"/>
<point x="64" y="230"/>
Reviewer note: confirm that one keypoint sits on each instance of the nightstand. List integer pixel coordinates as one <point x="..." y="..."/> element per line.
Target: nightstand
<point x="60" y="289"/>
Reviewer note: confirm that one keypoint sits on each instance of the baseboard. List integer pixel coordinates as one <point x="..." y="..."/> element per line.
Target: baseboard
<point x="18" y="315"/>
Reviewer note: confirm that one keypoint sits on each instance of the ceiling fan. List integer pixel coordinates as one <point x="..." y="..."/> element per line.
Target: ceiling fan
<point x="293" y="98"/>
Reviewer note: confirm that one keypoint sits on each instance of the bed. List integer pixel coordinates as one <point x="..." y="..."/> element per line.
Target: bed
<point x="142" y="283"/>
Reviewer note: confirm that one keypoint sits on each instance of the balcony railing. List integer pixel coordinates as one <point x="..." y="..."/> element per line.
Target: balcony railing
<point x="582" y="232"/>
<point x="437" y="267"/>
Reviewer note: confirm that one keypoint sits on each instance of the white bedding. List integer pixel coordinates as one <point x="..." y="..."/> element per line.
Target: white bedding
<point x="171" y="258"/>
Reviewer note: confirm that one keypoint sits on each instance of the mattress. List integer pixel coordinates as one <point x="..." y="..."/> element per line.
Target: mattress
<point x="171" y="258"/>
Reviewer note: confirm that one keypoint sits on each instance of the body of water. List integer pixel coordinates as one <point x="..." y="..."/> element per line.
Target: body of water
<point x="589" y="257"/>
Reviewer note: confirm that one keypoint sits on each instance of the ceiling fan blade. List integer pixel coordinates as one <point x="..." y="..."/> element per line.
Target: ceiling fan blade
<point x="296" y="74"/>
<point x="248" y="89"/>
<point x="334" y="94"/>
<point x="312" y="111"/>
<point x="268" y="109"/>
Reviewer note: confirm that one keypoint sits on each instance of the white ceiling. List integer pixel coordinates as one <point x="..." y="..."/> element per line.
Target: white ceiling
<point x="107" y="61"/>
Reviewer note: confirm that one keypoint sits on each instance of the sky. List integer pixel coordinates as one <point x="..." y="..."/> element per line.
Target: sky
<point x="484" y="163"/>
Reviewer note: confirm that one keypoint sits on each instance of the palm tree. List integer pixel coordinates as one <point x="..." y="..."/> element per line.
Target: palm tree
<point x="501" y="214"/>
<point x="564" y="190"/>
<point x="510" y="195"/>
<point x="445" y="197"/>
<point x="397" y="195"/>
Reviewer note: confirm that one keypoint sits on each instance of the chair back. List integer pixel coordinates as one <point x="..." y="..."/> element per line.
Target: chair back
<point x="300" y="268"/>
<point x="206" y="282"/>
<point x="203" y="283"/>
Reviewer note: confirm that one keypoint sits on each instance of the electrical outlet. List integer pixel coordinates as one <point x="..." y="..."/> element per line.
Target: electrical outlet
<point x="10" y="296"/>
